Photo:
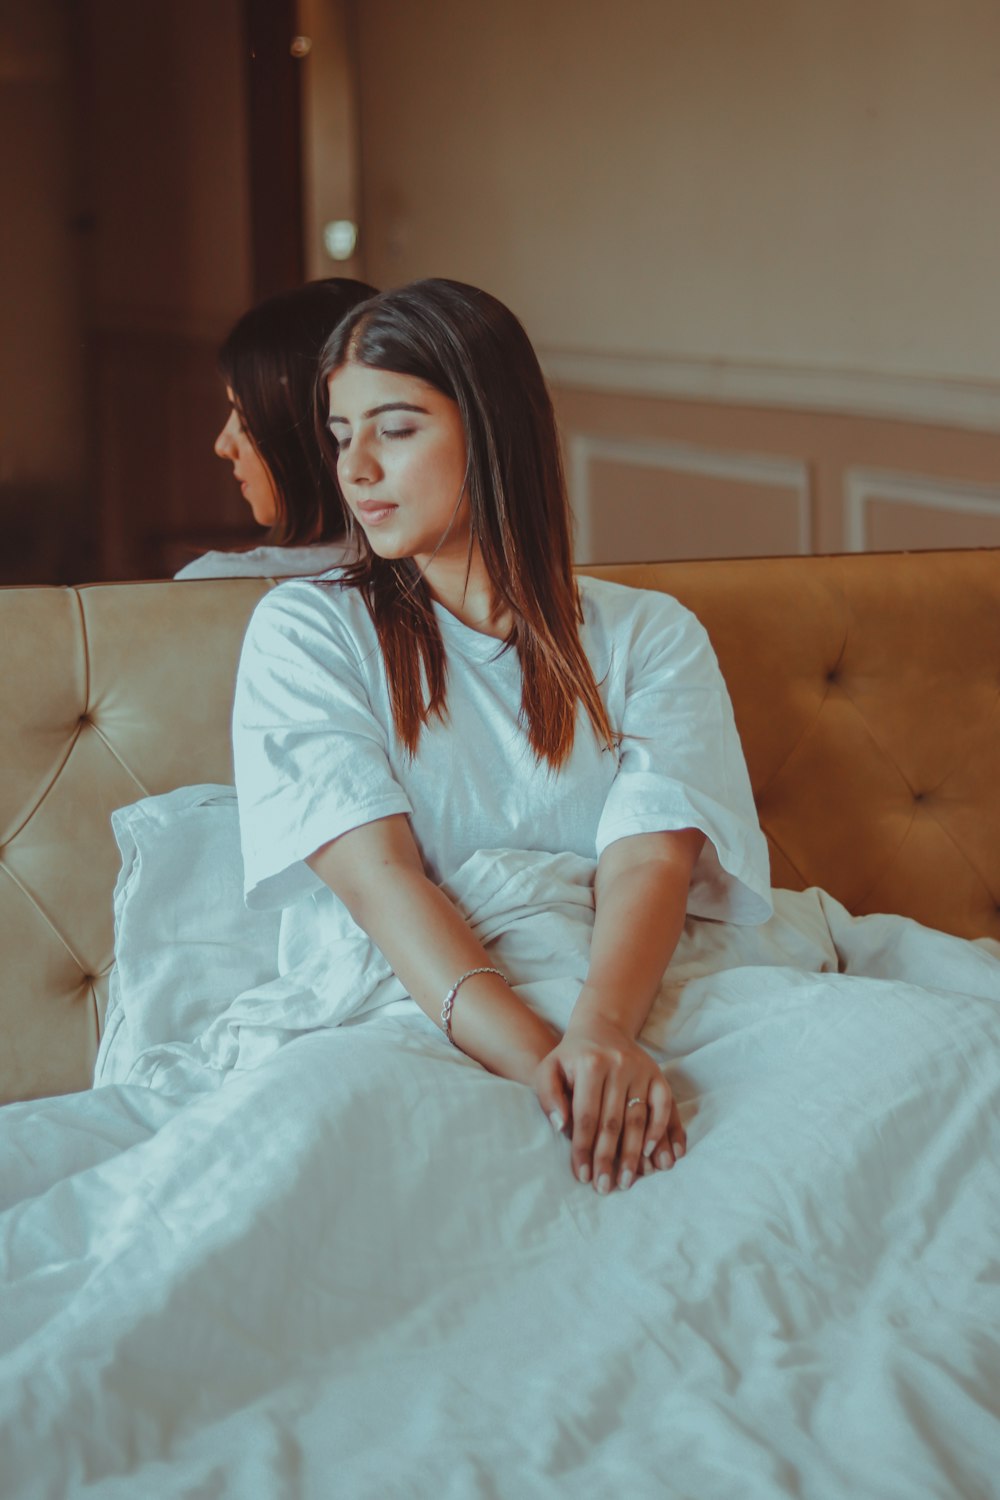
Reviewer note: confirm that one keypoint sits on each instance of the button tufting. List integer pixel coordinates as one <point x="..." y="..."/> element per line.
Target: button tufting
<point x="832" y="675"/>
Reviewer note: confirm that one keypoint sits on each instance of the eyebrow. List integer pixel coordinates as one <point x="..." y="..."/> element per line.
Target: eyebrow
<point x="376" y="411"/>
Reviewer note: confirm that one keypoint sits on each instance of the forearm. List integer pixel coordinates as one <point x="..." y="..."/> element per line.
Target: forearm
<point x="428" y="944"/>
<point x="641" y="901"/>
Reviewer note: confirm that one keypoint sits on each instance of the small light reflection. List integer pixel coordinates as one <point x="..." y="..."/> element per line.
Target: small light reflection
<point x="301" y="46"/>
<point x="340" y="238"/>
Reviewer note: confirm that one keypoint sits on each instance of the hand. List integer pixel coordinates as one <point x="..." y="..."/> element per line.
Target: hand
<point x="585" y="1083"/>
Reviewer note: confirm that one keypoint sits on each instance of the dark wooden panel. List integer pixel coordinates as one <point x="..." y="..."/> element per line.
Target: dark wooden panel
<point x="275" y="140"/>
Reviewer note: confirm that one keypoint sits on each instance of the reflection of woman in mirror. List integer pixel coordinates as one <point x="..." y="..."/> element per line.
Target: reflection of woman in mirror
<point x="268" y="363"/>
<point x="456" y="690"/>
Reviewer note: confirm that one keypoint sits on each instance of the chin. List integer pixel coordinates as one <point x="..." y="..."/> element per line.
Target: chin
<point x="391" y="551"/>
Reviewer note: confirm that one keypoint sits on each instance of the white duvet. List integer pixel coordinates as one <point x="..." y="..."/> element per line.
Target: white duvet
<point x="295" y="1260"/>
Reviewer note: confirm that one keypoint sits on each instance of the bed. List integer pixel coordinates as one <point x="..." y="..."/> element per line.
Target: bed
<point x="265" y="1255"/>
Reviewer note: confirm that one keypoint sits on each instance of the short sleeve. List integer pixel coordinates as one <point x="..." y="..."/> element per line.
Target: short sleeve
<point x="681" y="764"/>
<point x="310" y="754"/>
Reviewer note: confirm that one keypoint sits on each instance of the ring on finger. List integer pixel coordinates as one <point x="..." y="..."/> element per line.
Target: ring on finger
<point x="633" y="1101"/>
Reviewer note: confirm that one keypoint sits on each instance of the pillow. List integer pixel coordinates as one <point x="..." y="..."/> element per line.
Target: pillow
<point x="185" y="943"/>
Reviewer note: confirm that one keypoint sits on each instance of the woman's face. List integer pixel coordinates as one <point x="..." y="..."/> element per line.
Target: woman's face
<point x="249" y="469"/>
<point x="400" y="463"/>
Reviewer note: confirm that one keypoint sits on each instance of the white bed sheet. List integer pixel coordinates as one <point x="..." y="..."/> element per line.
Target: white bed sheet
<point x="348" y="1262"/>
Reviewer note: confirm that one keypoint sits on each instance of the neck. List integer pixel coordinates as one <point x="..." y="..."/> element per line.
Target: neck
<point x="462" y="586"/>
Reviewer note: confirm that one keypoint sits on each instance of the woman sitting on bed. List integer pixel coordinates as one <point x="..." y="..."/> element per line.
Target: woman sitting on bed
<point x="268" y="363"/>
<point x="456" y="690"/>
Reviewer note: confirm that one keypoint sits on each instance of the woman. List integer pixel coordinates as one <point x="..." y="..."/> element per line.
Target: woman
<point x="455" y="690"/>
<point x="268" y="363"/>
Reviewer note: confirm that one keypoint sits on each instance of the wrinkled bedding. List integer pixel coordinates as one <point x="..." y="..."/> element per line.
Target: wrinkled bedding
<point x="291" y="1259"/>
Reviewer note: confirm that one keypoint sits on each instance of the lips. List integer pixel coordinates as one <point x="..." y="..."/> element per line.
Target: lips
<point x="372" y="512"/>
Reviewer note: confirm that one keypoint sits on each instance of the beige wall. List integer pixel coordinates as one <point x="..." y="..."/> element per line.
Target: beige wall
<point x="651" y="477"/>
<point x="791" y="182"/>
<point x="756" y="245"/>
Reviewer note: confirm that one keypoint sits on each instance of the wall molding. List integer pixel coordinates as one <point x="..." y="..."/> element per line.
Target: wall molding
<point x="682" y="458"/>
<point x="862" y="486"/>
<point x="939" y="400"/>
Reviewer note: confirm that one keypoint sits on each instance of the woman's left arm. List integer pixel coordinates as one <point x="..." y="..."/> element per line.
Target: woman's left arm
<point x="589" y="1077"/>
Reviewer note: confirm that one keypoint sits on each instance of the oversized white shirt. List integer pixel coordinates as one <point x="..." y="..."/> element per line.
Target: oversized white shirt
<point x="268" y="562"/>
<point x="317" y="754"/>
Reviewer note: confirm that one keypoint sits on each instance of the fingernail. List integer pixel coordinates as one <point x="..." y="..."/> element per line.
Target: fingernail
<point x="625" y="1180"/>
<point x="649" y="1148"/>
<point x="604" y="1183"/>
<point x="556" y="1121"/>
<point x="664" y="1160"/>
<point x="680" y="1148"/>
<point x="583" y="1172"/>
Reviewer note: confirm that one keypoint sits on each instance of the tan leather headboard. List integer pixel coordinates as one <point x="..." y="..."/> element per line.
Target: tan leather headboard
<point x="867" y="691"/>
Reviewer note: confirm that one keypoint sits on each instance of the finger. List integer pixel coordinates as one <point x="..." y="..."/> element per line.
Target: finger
<point x="657" y="1141"/>
<point x="633" y="1136"/>
<point x="552" y="1093"/>
<point x="674" y="1143"/>
<point x="676" y="1131"/>
<point x="608" y="1143"/>
<point x="588" y="1087"/>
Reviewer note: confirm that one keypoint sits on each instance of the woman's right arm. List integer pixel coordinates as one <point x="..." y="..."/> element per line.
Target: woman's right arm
<point x="310" y="752"/>
<point x="377" y="872"/>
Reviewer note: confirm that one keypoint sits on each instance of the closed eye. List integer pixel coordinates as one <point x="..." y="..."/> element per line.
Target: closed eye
<point x="342" y="443"/>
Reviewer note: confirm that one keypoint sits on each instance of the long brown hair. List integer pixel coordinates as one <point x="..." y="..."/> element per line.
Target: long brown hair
<point x="268" y="361"/>
<point x="471" y="348"/>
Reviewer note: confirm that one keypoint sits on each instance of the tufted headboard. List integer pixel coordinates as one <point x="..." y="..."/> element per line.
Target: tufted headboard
<point x="867" y="691"/>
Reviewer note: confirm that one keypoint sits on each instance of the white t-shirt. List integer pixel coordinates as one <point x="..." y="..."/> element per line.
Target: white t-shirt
<point x="317" y="754"/>
<point x="268" y="562"/>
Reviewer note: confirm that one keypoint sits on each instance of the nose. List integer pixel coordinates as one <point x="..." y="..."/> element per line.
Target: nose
<point x="225" y="443"/>
<point x="357" y="463"/>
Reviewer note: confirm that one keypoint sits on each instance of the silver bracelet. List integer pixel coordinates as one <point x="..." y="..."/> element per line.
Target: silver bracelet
<point x="449" y="999"/>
